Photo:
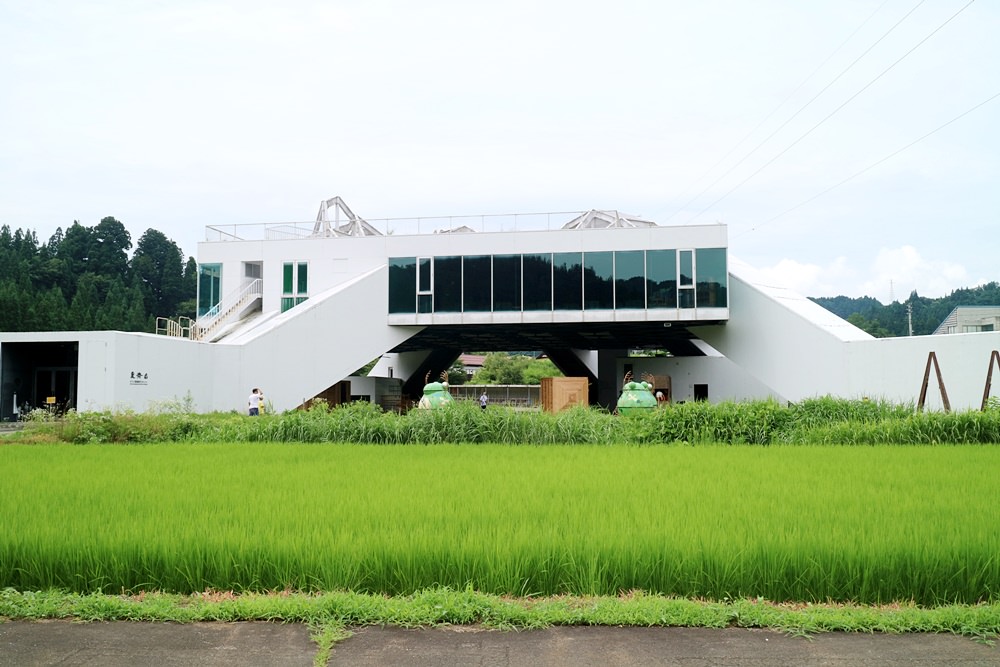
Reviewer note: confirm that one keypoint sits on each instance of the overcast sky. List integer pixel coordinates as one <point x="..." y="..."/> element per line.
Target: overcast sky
<point x="812" y="129"/>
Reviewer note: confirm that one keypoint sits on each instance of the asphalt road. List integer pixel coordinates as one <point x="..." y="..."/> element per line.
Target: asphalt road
<point x="118" y="644"/>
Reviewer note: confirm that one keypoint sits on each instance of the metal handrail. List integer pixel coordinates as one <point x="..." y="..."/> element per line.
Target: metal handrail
<point x="219" y="313"/>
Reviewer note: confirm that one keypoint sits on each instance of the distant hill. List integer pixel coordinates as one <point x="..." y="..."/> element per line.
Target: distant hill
<point x="883" y="321"/>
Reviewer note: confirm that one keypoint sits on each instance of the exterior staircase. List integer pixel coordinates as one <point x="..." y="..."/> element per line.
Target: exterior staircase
<point x="232" y="307"/>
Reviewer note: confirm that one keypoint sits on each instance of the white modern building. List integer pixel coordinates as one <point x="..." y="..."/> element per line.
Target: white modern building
<point x="296" y="309"/>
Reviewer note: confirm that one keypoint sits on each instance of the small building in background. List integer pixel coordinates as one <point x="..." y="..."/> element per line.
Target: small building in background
<point x="970" y="319"/>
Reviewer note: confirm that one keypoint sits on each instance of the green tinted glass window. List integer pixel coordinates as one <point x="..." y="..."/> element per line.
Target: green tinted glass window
<point x="661" y="277"/>
<point x="687" y="268"/>
<point x="506" y="282"/>
<point x="567" y="281"/>
<point x="303" y="275"/>
<point x="448" y="284"/>
<point x="288" y="278"/>
<point x="477" y="290"/>
<point x="424" y="275"/>
<point x="537" y="272"/>
<point x="712" y="277"/>
<point x="598" y="280"/>
<point x="630" y="279"/>
<point x="403" y="285"/>
<point x="209" y="287"/>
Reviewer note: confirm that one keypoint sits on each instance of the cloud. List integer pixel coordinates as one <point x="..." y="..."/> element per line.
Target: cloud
<point x="905" y="270"/>
<point x="892" y="275"/>
<point x="811" y="279"/>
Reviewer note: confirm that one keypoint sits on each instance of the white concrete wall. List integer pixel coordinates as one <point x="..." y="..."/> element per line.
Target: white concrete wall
<point x="303" y="351"/>
<point x="800" y="350"/>
<point x="170" y="369"/>
<point x="726" y="381"/>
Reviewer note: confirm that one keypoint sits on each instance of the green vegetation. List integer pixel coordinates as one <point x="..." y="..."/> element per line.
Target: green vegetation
<point x="893" y="319"/>
<point x="815" y="421"/>
<point x="83" y="279"/>
<point x="868" y="525"/>
<point x="503" y="368"/>
<point x="330" y="613"/>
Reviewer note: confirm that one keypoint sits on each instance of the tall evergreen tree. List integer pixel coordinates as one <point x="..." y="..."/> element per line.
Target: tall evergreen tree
<point x="158" y="264"/>
<point x="110" y="243"/>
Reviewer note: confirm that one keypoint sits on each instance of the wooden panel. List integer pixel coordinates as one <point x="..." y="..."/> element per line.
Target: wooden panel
<point x="561" y="393"/>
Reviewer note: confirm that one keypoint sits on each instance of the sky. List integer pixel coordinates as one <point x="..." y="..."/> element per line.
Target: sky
<point x="850" y="146"/>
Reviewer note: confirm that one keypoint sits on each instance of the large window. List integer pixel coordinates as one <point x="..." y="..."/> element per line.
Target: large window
<point x="537" y="282"/>
<point x="712" y="277"/>
<point x="604" y="280"/>
<point x="567" y="281"/>
<point x="209" y="287"/>
<point x="661" y="274"/>
<point x="447" y="285"/>
<point x="506" y="282"/>
<point x="294" y="284"/>
<point x="403" y="285"/>
<point x="477" y="284"/>
<point x="598" y="280"/>
<point x="630" y="279"/>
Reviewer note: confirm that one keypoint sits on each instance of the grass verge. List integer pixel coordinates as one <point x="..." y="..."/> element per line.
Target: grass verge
<point x="330" y="614"/>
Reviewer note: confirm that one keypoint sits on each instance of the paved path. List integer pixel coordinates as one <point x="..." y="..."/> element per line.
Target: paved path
<point x="258" y="644"/>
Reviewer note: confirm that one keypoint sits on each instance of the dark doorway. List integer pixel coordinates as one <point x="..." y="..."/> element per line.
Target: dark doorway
<point x="701" y="392"/>
<point x="38" y="374"/>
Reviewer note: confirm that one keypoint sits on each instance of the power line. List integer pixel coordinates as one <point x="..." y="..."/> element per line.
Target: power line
<point x="873" y="165"/>
<point x="785" y="101"/>
<point x="834" y="112"/>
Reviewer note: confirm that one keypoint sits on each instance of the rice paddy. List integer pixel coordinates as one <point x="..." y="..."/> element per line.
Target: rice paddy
<point x="871" y="524"/>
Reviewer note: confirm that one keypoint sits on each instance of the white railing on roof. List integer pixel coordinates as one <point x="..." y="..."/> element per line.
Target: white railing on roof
<point x="511" y="222"/>
<point x="230" y="306"/>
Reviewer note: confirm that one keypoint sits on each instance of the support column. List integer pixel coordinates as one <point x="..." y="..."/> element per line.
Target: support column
<point x="608" y="382"/>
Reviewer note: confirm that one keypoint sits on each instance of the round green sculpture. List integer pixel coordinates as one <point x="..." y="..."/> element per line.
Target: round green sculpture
<point x="636" y="397"/>
<point x="436" y="395"/>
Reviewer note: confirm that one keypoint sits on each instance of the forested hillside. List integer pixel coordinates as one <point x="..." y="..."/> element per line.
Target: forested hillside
<point x="84" y="279"/>
<point x="885" y="321"/>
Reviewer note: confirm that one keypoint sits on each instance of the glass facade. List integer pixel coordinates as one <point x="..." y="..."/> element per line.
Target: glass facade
<point x="537" y="273"/>
<point x="506" y="282"/>
<point x="477" y="284"/>
<point x="630" y="279"/>
<point x="712" y="272"/>
<point x="598" y="281"/>
<point x="567" y="281"/>
<point x="209" y="287"/>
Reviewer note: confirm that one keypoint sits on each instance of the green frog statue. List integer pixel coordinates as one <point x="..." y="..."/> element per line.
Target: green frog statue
<point x="436" y="394"/>
<point x="636" y="397"/>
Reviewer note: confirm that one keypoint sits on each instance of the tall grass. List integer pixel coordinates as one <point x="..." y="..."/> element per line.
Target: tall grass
<point x="815" y="421"/>
<point x="869" y="525"/>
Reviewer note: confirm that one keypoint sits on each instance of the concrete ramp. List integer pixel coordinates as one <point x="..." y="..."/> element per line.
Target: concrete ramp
<point x="789" y="343"/>
<point x="297" y="354"/>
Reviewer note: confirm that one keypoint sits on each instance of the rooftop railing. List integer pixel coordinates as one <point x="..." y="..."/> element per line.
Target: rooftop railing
<point x="451" y="224"/>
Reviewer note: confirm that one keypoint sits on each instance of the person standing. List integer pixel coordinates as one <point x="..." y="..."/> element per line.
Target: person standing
<point x="253" y="403"/>
<point x="483" y="400"/>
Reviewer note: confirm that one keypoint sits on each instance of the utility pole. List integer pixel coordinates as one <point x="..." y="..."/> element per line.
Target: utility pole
<point x="909" y="316"/>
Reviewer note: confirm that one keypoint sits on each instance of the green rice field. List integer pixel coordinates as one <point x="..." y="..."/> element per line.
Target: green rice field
<point x="866" y="524"/>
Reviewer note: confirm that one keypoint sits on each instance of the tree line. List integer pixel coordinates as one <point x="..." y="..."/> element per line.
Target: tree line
<point x="894" y="319"/>
<point x="83" y="279"/>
